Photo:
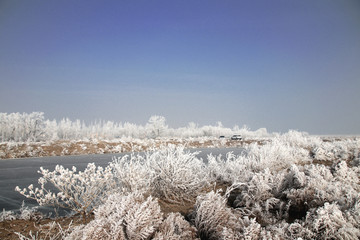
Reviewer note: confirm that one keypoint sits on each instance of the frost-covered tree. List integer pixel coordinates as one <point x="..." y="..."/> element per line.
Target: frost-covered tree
<point x="51" y="130"/>
<point x="22" y="126"/>
<point x="17" y="127"/>
<point x="156" y="126"/>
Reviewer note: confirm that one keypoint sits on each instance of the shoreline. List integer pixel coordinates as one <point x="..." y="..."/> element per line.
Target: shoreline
<point x="19" y="150"/>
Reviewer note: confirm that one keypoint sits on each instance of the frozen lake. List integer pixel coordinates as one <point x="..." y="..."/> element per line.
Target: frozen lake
<point x="23" y="172"/>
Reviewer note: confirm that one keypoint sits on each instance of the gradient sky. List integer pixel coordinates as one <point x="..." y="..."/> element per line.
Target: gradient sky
<point x="275" y="64"/>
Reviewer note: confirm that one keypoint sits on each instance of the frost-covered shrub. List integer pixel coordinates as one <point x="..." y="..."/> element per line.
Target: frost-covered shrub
<point x="78" y="191"/>
<point x="169" y="173"/>
<point x="343" y="173"/>
<point x="212" y="218"/>
<point x="27" y="213"/>
<point x="353" y="213"/>
<point x="346" y="149"/>
<point x="293" y="179"/>
<point x="323" y="152"/>
<point x="24" y="213"/>
<point x="299" y="202"/>
<point x="288" y="195"/>
<point x="7" y="215"/>
<point x="321" y="186"/>
<point x="143" y="219"/>
<point x="258" y="188"/>
<point x="297" y="230"/>
<point x="276" y="155"/>
<point x="175" y="227"/>
<point x="176" y="174"/>
<point x="259" y="198"/>
<point x="299" y="139"/>
<point x="329" y="222"/>
<point x="215" y="220"/>
<point x="131" y="173"/>
<point x="230" y="169"/>
<point x="122" y="217"/>
<point x="50" y="231"/>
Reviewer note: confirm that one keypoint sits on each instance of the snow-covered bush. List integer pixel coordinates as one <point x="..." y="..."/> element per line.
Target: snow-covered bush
<point x="175" y="227"/>
<point x="299" y="139"/>
<point x="329" y="222"/>
<point x="27" y="213"/>
<point x="134" y="217"/>
<point x="122" y="217"/>
<point x="50" y="231"/>
<point x="176" y="174"/>
<point x="321" y="186"/>
<point x="312" y="198"/>
<point x="169" y="173"/>
<point x="259" y="197"/>
<point x="213" y="218"/>
<point x="346" y="175"/>
<point x="7" y="215"/>
<point x="79" y="191"/>
<point x="24" y="213"/>
<point x="230" y="169"/>
<point x="345" y="149"/>
<point x="131" y="173"/>
<point x="275" y="155"/>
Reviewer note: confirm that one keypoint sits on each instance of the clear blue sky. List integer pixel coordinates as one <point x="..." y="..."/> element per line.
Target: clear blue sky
<point x="275" y="64"/>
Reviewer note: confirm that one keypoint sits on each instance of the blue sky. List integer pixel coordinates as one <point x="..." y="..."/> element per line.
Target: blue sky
<point x="275" y="64"/>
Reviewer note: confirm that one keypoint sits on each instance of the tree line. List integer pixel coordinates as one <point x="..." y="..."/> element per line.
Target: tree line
<point x="22" y="127"/>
